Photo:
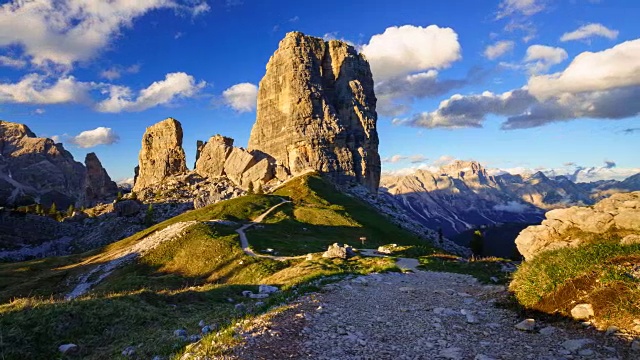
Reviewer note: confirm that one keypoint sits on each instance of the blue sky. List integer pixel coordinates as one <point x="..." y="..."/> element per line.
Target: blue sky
<point x="527" y="84"/>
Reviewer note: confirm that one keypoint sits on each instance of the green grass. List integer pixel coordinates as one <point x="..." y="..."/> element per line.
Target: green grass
<point x="595" y="273"/>
<point x="180" y="282"/>
<point x="482" y="269"/>
<point x="319" y="216"/>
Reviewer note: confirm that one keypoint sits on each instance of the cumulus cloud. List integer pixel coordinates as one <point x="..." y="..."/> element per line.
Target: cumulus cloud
<point x="524" y="111"/>
<point x="588" y="31"/>
<point x="540" y="58"/>
<point x="512" y="207"/>
<point x="612" y="68"/>
<point x="498" y="49"/>
<point x="117" y="71"/>
<point x="603" y="85"/>
<point x="38" y="89"/>
<point x="241" y="97"/>
<point x="470" y="111"/>
<point x="405" y="61"/>
<point x="174" y="86"/>
<point x="63" y="32"/>
<point x="95" y="137"/>
<point x="391" y="93"/>
<point x="413" y="159"/>
<point x="12" y="62"/>
<point x="409" y="49"/>
<point x="520" y="7"/>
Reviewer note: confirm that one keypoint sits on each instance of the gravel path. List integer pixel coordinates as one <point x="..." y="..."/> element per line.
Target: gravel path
<point x="244" y="242"/>
<point x="421" y="315"/>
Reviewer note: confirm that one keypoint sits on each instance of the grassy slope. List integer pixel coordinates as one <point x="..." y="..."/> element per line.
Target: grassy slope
<point x="177" y="284"/>
<point x="598" y="273"/>
<point x="320" y="215"/>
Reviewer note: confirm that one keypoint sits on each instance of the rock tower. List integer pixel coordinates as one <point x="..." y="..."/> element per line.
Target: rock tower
<point x="317" y="110"/>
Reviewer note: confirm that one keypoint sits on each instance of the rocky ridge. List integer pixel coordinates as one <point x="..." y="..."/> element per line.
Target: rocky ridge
<point x="617" y="215"/>
<point x="463" y="195"/>
<point x="39" y="170"/>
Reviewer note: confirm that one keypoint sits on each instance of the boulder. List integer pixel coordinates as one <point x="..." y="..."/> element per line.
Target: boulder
<point x="573" y="226"/>
<point x="238" y="161"/>
<point x="258" y="174"/>
<point x="338" y="251"/>
<point x="161" y="154"/>
<point x="212" y="156"/>
<point x="316" y="110"/>
<point x="126" y="208"/>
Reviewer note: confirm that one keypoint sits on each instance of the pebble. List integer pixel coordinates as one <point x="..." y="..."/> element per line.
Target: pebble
<point x="526" y="325"/>
<point x="68" y="348"/>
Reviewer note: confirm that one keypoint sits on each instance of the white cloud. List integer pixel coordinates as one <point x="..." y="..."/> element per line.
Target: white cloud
<point x="404" y="62"/>
<point x="241" y="97"/>
<point x="38" y="89"/>
<point x="174" y="86"/>
<point x="512" y="207"/>
<point x="525" y="111"/>
<point x="540" y="58"/>
<point x="520" y="7"/>
<point x="498" y="49"/>
<point x="117" y="71"/>
<point x="407" y="49"/>
<point x="95" y="137"/>
<point x="612" y="68"/>
<point x="589" y="31"/>
<point x="63" y="32"/>
<point x="414" y="159"/>
<point x="39" y="111"/>
<point x="12" y="62"/>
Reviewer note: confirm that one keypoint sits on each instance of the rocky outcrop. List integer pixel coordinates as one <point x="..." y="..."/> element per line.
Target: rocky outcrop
<point x="618" y="216"/>
<point x="161" y="155"/>
<point x="34" y="169"/>
<point x="212" y="155"/>
<point x="98" y="184"/>
<point x="317" y="110"/>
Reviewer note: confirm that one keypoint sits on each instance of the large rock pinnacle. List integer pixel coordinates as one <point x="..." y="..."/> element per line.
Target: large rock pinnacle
<point x="161" y="154"/>
<point x="317" y="110"/>
<point x="98" y="184"/>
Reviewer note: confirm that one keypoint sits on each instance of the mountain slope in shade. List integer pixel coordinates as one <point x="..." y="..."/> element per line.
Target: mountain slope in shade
<point x="463" y="195"/>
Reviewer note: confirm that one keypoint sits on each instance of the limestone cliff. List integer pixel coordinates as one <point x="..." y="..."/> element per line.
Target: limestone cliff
<point x="34" y="169"/>
<point x="317" y="110"/>
<point x="98" y="184"/>
<point x="614" y="217"/>
<point x="161" y="154"/>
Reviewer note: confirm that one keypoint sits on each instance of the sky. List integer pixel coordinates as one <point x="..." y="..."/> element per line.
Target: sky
<point x="518" y="85"/>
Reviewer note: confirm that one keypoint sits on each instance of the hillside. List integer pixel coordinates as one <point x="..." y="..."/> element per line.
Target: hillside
<point x="197" y="273"/>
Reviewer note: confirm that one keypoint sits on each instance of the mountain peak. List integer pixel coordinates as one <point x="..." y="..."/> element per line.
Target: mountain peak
<point x="459" y="168"/>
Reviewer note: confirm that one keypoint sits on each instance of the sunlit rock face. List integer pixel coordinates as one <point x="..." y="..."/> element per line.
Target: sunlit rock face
<point x="34" y="169"/>
<point x="161" y="155"/>
<point x="317" y="110"/>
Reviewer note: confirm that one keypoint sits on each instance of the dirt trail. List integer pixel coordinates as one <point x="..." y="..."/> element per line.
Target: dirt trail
<point x="244" y="242"/>
<point x="420" y="315"/>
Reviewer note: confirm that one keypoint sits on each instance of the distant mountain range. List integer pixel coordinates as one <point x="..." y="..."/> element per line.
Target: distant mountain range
<point x="462" y="195"/>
